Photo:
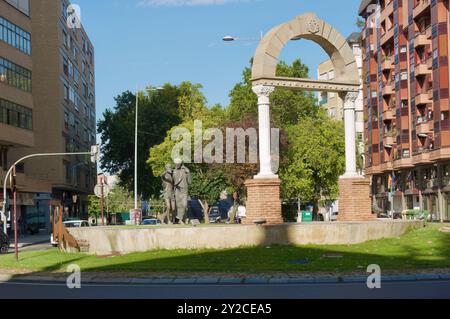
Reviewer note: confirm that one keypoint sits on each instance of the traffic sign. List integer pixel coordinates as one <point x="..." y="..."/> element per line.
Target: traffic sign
<point x="98" y="190"/>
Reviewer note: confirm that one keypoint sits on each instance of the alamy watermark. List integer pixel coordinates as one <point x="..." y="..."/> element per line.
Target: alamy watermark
<point x="74" y="279"/>
<point x="374" y="279"/>
<point x="210" y="146"/>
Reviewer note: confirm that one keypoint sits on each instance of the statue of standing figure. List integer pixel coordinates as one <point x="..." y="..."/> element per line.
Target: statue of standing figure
<point x="176" y="184"/>
<point x="169" y="195"/>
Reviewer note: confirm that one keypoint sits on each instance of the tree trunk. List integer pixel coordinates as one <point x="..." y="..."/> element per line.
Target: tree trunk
<point x="205" y="207"/>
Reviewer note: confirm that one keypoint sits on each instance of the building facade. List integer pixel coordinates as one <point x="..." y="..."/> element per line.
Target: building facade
<point x="406" y="104"/>
<point x="47" y="95"/>
<point x="332" y="103"/>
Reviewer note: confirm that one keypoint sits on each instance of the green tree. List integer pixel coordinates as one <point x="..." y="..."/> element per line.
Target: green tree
<point x="287" y="106"/>
<point x="207" y="184"/>
<point x="94" y="208"/>
<point x="158" y="112"/>
<point x="316" y="159"/>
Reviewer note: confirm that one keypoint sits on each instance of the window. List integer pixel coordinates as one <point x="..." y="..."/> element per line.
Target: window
<point x="16" y="115"/>
<point x="66" y="119"/>
<point x="15" y="36"/>
<point x="66" y="66"/>
<point x="66" y="92"/>
<point x="21" y="5"/>
<point x="15" y="75"/>
<point x="65" y="40"/>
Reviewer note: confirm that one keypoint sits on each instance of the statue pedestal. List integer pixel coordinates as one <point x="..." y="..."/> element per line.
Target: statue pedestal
<point x="355" y="203"/>
<point x="263" y="201"/>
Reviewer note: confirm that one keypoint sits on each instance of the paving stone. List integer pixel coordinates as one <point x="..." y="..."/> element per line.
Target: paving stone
<point x="162" y="281"/>
<point x="279" y="281"/>
<point x="399" y="278"/>
<point x="354" y="279"/>
<point x="256" y="280"/>
<point x="207" y="280"/>
<point x="231" y="281"/>
<point x="301" y="280"/>
<point x="184" y="281"/>
<point x="326" y="280"/>
<point x="427" y="277"/>
<point x="141" y="281"/>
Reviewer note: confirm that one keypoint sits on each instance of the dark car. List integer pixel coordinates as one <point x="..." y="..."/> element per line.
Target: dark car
<point x="151" y="222"/>
<point x="195" y="210"/>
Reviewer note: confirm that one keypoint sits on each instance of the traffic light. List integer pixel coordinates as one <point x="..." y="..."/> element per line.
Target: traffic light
<point x="94" y="154"/>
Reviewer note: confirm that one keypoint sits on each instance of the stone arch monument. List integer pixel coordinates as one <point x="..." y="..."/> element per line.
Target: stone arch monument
<point x="263" y="192"/>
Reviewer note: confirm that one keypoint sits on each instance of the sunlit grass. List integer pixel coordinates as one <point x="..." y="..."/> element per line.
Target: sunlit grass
<point x="419" y="249"/>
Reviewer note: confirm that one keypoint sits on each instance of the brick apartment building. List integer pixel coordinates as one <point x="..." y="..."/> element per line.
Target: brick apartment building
<point x="406" y="103"/>
<point x="47" y="104"/>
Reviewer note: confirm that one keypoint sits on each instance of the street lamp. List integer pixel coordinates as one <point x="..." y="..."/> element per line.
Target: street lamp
<point x="230" y="38"/>
<point x="149" y="89"/>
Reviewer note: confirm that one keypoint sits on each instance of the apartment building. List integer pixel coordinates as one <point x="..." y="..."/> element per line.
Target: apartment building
<point x="47" y="95"/>
<point x="331" y="102"/>
<point x="406" y="104"/>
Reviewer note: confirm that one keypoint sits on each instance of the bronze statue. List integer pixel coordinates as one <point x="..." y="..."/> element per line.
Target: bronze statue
<point x="169" y="195"/>
<point x="182" y="179"/>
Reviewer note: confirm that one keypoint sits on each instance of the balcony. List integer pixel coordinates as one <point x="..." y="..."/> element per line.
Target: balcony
<point x="421" y="40"/>
<point x="424" y="128"/>
<point x="389" y="115"/>
<point x="423" y="99"/>
<point x="387" y="90"/>
<point x="390" y="138"/>
<point x="386" y="64"/>
<point x="420" y="7"/>
<point x="421" y="69"/>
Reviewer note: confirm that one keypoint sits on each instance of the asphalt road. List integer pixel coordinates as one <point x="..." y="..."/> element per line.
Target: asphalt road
<point x="389" y="290"/>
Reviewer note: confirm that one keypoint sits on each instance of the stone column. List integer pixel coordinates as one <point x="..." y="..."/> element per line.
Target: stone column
<point x="350" y="133"/>
<point x="263" y="192"/>
<point x="355" y="203"/>
<point x="263" y="92"/>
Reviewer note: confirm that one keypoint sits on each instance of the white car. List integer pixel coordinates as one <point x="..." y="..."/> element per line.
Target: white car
<point x="70" y="224"/>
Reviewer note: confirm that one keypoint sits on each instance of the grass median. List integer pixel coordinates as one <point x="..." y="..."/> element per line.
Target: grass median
<point x="419" y="249"/>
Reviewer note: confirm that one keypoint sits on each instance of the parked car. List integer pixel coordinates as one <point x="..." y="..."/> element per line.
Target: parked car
<point x="151" y="222"/>
<point x="214" y="215"/>
<point x="70" y="224"/>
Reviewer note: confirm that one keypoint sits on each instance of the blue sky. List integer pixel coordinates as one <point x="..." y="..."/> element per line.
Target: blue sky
<point x="143" y="42"/>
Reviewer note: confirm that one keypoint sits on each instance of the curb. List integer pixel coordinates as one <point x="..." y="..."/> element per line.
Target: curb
<point x="255" y="281"/>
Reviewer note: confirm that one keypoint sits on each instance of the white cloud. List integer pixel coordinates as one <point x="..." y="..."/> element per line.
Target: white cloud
<point x="179" y="3"/>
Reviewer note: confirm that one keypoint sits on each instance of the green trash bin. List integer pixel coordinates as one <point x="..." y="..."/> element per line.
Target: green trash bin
<point x="307" y="217"/>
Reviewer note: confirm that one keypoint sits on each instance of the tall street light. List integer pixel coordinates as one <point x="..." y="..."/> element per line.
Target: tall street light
<point x="149" y="89"/>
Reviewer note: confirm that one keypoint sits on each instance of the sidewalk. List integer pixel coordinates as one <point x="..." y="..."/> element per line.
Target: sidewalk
<point x="30" y="240"/>
<point x="104" y="279"/>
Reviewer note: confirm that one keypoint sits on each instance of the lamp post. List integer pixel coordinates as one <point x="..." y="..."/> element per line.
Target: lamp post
<point x="230" y="38"/>
<point x="136" y="145"/>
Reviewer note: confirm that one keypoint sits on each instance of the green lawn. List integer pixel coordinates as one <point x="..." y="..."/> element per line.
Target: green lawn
<point x="420" y="249"/>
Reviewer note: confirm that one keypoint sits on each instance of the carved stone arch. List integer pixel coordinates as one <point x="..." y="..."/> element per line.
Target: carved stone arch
<point x="307" y="26"/>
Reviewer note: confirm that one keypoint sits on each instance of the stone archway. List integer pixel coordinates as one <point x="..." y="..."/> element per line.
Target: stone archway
<point x="263" y="192"/>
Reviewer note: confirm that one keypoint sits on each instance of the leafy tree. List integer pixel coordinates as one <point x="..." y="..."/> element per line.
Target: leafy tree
<point x="158" y="112"/>
<point x="287" y="106"/>
<point x="316" y="159"/>
<point x="94" y="208"/>
<point x="207" y="184"/>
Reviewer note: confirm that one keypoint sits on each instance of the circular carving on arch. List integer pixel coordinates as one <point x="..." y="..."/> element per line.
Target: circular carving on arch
<point x="313" y="26"/>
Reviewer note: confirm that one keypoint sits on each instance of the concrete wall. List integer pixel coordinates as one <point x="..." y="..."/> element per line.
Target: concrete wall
<point x="108" y="240"/>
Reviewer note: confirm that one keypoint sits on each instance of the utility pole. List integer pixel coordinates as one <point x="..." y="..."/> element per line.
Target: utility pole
<point x="14" y="190"/>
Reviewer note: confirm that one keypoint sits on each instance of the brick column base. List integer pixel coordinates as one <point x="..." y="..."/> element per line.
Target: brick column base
<point x="263" y="201"/>
<point x="355" y="203"/>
